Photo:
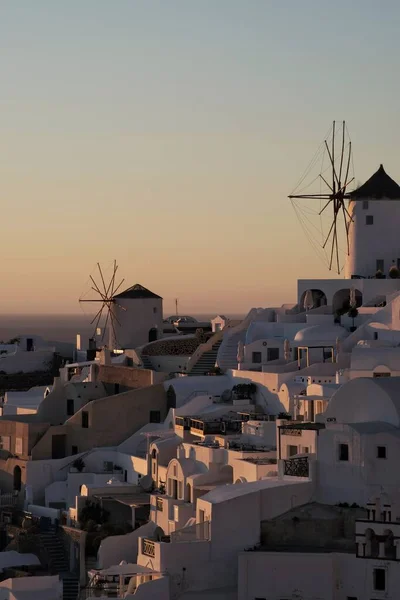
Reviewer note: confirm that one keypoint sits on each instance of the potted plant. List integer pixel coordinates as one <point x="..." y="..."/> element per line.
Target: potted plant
<point x="353" y="313"/>
<point x="394" y="272"/>
<point x="79" y="464"/>
<point x="379" y="275"/>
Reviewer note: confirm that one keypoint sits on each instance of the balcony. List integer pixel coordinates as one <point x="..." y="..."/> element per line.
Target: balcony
<point x="293" y="432"/>
<point x="296" y="467"/>
<point x="148" y="547"/>
<point x="215" y="427"/>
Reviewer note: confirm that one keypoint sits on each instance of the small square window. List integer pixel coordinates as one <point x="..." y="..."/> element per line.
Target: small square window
<point x="381" y="451"/>
<point x="155" y="309"/>
<point x="365" y="204"/>
<point x="369" y="220"/>
<point x="85" y="419"/>
<point x="380" y="580"/>
<point x="380" y="264"/>
<point x="343" y="452"/>
<point x="256" y="357"/>
<point x="155" y="416"/>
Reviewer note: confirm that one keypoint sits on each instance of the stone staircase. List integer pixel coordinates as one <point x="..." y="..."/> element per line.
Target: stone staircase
<point x="71" y="587"/>
<point x="206" y="361"/>
<point x="227" y="358"/>
<point x="58" y="562"/>
<point x="146" y="362"/>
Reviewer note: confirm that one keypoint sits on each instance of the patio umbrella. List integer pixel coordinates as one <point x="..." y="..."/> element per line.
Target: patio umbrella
<point x="286" y="350"/>
<point x="240" y="352"/>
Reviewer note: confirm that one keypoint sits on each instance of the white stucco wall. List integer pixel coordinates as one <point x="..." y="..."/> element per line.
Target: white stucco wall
<point x="327" y="576"/>
<point x="134" y="323"/>
<point x="364" y="474"/>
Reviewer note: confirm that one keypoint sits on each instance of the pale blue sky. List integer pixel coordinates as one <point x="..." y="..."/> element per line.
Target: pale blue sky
<point x="167" y="134"/>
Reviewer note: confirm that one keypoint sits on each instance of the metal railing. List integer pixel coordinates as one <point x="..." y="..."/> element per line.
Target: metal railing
<point x="296" y="467"/>
<point x="196" y="532"/>
<point x="10" y="499"/>
<point x="148" y="547"/>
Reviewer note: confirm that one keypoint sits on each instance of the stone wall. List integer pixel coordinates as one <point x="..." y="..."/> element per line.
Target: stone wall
<point x="316" y="526"/>
<point x="185" y="346"/>
<point x="129" y="377"/>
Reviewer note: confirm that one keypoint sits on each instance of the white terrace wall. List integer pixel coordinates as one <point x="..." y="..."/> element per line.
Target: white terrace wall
<point x="115" y="548"/>
<point x="284" y="574"/>
<point x="357" y="479"/>
<point x="331" y="576"/>
<point x="227" y="540"/>
<point x="268" y="386"/>
<point x="26" y="362"/>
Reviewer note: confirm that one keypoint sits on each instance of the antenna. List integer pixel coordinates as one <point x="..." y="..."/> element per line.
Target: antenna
<point x="176" y="306"/>
<point x="105" y="295"/>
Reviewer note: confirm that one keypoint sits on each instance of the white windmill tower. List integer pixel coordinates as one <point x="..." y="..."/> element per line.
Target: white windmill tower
<point x="374" y="240"/>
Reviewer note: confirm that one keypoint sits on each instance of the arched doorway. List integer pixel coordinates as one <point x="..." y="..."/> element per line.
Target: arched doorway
<point x="153" y="334"/>
<point x="318" y="296"/>
<point x="226" y="474"/>
<point x="17" y="479"/>
<point x="341" y="301"/>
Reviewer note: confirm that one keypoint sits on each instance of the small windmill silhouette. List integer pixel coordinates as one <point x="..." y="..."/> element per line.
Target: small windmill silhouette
<point x="105" y="294"/>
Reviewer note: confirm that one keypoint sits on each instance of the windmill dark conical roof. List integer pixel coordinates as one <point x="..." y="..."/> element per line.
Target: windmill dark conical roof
<point x="380" y="185"/>
<point x="137" y="291"/>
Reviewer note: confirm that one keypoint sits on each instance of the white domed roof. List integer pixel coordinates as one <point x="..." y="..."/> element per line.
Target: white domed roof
<point x="320" y="333"/>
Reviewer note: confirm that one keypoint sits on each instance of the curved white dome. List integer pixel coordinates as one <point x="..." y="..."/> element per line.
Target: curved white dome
<point x="320" y="333"/>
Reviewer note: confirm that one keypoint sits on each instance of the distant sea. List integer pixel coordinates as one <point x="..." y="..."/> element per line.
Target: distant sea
<point x="59" y="328"/>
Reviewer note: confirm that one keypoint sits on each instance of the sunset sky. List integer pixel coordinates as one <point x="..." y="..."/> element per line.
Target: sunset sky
<point x="167" y="134"/>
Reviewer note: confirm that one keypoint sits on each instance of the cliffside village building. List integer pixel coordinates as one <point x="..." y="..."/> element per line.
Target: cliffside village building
<point x="254" y="461"/>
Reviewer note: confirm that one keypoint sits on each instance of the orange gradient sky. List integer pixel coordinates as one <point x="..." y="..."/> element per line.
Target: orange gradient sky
<point x="167" y="135"/>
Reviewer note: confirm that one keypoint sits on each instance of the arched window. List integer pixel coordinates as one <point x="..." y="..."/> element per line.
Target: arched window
<point x="390" y="548"/>
<point x="17" y="478"/>
<point x="372" y="544"/>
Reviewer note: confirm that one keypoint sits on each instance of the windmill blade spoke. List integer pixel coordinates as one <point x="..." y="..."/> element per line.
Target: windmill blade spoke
<point x="323" y="178"/>
<point x="313" y="196"/>
<point x="346" y="224"/>
<point x="337" y="251"/>
<point x="341" y="155"/>
<point x="96" y="288"/>
<point x="105" y="324"/>
<point x="97" y="314"/>
<point x="102" y="278"/>
<point x="330" y="231"/>
<point x="343" y="188"/>
<point x="117" y="288"/>
<point x="348" y="163"/>
<point x="334" y="176"/>
<point x="103" y="298"/>
<point x="99" y="318"/>
<point x="110" y="290"/>
<point x="348" y="214"/>
<point x="326" y="206"/>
